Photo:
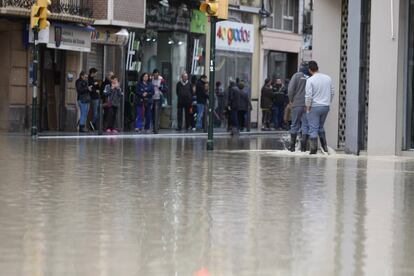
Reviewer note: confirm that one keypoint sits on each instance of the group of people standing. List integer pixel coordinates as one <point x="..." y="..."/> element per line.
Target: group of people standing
<point x="90" y="92"/>
<point x="274" y="103"/>
<point x="310" y="95"/>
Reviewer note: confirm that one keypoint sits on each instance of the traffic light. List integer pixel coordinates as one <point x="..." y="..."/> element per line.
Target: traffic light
<point x="39" y="15"/>
<point x="216" y="8"/>
<point x="44" y="13"/>
<point x="34" y="16"/>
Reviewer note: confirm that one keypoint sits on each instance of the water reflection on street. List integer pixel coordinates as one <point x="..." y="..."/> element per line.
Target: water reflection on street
<point x="168" y="207"/>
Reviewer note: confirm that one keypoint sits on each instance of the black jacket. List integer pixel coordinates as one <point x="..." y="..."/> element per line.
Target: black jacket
<point x="95" y="88"/>
<point x="280" y="97"/>
<point x="82" y="91"/>
<point x="245" y="104"/>
<point x="266" y="100"/>
<point x="202" y="95"/>
<point x="184" y="93"/>
<point x="234" y="98"/>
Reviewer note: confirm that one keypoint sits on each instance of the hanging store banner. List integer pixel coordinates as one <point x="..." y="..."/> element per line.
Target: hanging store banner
<point x="68" y="37"/>
<point x="198" y="22"/>
<point x="235" y="37"/>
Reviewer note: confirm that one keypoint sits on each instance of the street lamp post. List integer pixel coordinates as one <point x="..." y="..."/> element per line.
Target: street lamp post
<point x="212" y="69"/>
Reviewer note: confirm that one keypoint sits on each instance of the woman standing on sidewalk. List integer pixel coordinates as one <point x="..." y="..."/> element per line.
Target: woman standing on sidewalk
<point x="84" y="99"/>
<point x="113" y="94"/>
<point x="143" y="102"/>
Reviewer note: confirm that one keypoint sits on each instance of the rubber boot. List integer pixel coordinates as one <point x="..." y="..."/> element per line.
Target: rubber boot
<point x="324" y="145"/>
<point x="313" y="145"/>
<point x="304" y="143"/>
<point x="292" y="146"/>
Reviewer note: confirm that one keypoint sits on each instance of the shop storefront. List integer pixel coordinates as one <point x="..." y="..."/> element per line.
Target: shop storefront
<point x="234" y="50"/>
<point x="173" y="43"/>
<point x="60" y="65"/>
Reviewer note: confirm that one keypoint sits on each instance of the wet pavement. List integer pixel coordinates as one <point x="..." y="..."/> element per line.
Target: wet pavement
<point x="127" y="206"/>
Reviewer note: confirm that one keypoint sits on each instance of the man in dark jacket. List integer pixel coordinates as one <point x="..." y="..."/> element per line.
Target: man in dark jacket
<point x="202" y="97"/>
<point x="184" y="99"/>
<point x="296" y="93"/>
<point x="95" y="95"/>
<point x="244" y="105"/>
<point x="234" y="106"/>
<point x="266" y="102"/>
<point x="279" y="103"/>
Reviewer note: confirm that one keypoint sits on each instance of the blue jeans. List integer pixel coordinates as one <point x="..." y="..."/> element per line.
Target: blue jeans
<point x="299" y="121"/>
<point x="84" y="110"/>
<point x="144" y="111"/>
<point x="95" y="108"/>
<point x="200" y="116"/>
<point x="278" y="113"/>
<point x="316" y="118"/>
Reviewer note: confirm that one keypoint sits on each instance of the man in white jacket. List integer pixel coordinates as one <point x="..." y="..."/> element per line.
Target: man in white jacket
<point x="318" y="98"/>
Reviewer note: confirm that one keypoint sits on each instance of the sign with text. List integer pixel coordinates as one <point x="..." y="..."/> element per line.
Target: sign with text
<point x="67" y="37"/>
<point x="235" y="37"/>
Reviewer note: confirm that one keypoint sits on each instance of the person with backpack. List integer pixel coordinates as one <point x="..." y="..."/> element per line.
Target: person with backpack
<point x="83" y="98"/>
<point x="143" y="102"/>
<point x="114" y="97"/>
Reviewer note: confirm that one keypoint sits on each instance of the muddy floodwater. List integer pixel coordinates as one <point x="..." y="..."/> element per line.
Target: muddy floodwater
<point x="126" y="206"/>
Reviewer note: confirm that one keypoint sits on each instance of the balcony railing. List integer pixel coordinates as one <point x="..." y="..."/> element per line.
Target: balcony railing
<point x="68" y="7"/>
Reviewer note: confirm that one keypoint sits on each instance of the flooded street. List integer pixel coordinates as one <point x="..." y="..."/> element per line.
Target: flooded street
<point x="148" y="207"/>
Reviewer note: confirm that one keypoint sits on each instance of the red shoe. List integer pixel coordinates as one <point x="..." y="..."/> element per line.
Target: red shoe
<point x="108" y="130"/>
<point x="114" y="131"/>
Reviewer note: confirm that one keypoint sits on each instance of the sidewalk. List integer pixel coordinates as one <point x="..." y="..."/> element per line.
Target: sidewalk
<point x="164" y="133"/>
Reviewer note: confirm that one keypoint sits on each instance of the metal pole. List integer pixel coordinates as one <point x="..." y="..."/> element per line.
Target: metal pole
<point x="210" y="141"/>
<point x="34" y="95"/>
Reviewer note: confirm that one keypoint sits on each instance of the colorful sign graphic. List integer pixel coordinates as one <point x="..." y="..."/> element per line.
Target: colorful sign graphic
<point x="233" y="36"/>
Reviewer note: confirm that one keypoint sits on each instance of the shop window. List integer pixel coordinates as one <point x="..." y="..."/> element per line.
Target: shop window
<point x="284" y="15"/>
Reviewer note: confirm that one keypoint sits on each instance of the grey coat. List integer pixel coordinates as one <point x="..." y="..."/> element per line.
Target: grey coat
<point x="113" y="95"/>
<point x="297" y="89"/>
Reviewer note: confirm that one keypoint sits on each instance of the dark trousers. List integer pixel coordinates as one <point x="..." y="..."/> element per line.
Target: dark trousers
<point x="156" y="115"/>
<point x="278" y="113"/>
<point x="266" y="117"/>
<point x="234" y="118"/>
<point x="242" y="119"/>
<point x="186" y="109"/>
<point x="111" y="116"/>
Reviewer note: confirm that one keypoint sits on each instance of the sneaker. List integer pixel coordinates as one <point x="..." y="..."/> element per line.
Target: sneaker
<point x="108" y="130"/>
<point x="114" y="131"/>
<point x="193" y="129"/>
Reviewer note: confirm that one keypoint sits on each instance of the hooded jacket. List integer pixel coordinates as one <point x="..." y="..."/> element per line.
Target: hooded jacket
<point x="297" y="89"/>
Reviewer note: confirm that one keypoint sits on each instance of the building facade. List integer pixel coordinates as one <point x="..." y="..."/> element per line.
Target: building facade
<point x="59" y="63"/>
<point x="370" y="57"/>
<point x="285" y="37"/>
